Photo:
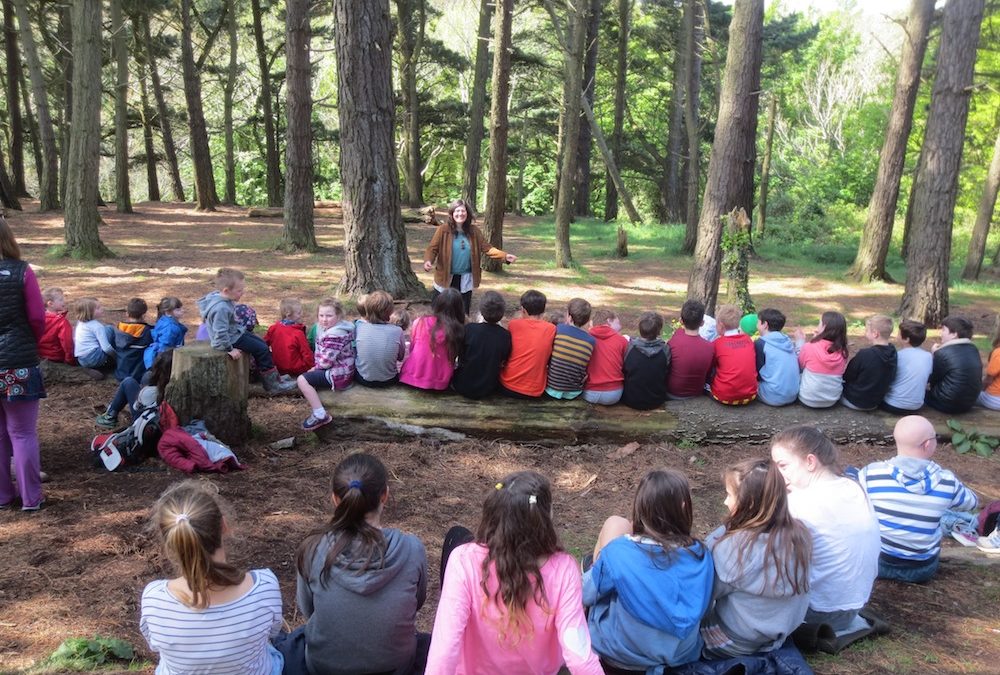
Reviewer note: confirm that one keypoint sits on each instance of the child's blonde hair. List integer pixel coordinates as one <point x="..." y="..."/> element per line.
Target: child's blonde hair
<point x="289" y="307"/>
<point x="378" y="307"/>
<point x="84" y="308"/>
<point x="728" y="316"/>
<point x="227" y="277"/>
<point x="361" y="305"/>
<point x="881" y="324"/>
<point x="51" y="294"/>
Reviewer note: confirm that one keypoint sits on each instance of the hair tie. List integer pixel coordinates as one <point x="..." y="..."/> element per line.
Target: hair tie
<point x="182" y="517"/>
<point x="354" y="485"/>
<point x="499" y="486"/>
<point x="532" y="500"/>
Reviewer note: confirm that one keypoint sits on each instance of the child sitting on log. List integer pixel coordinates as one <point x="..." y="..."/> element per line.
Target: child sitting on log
<point x="56" y="343"/>
<point x="169" y="332"/>
<point x="605" y="374"/>
<point x="379" y="343"/>
<point x="287" y="340"/>
<point x="218" y="310"/>
<point x="92" y="337"/>
<point x="572" y="348"/>
<point x="531" y="338"/>
<point x="735" y="362"/>
<point x="333" y="366"/>
<point x="870" y="373"/>
<point x="647" y="362"/>
<point x="913" y="368"/>
<point x="486" y="347"/>
<point x="131" y="337"/>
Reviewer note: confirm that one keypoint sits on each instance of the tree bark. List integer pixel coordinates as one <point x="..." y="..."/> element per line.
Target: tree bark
<point x="48" y="188"/>
<point x="477" y="108"/>
<point x="272" y="161"/>
<point x="227" y="105"/>
<point x="375" y="255"/>
<point x="984" y="216"/>
<point x="298" y="232"/>
<point x="926" y="296"/>
<point x="694" y="31"/>
<point x="201" y="156"/>
<point x="152" y="177"/>
<point x="206" y="384"/>
<point x="869" y="264"/>
<point x="765" y="167"/>
<point x="81" y="217"/>
<point x="611" y="168"/>
<point x="7" y="195"/>
<point x="65" y="115"/>
<point x="621" y="71"/>
<point x="589" y="82"/>
<point x="733" y="148"/>
<point x="671" y="202"/>
<point x="36" y="147"/>
<point x="412" y="16"/>
<point x="119" y="47"/>
<point x="163" y="113"/>
<point x="496" y="177"/>
<point x="14" y="101"/>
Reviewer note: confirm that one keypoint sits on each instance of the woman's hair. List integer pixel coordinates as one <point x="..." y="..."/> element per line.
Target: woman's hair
<point x="449" y="311"/>
<point x="168" y="304"/>
<point x="762" y="509"/>
<point x="517" y="531"/>
<point x="834" y="330"/>
<point x="378" y="307"/>
<point x="661" y="510"/>
<point x="84" y="308"/>
<point x="9" y="250"/>
<point x="804" y="441"/>
<point x="189" y="521"/>
<point x="159" y="372"/>
<point x="359" y="484"/>
<point x="469" y="218"/>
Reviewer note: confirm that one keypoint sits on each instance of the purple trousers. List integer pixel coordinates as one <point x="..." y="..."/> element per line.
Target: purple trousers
<point x="19" y="439"/>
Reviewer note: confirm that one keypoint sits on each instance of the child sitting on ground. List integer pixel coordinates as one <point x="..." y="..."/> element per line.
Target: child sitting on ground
<point x="646" y="364"/>
<point x="333" y="363"/>
<point x="572" y="348"/>
<point x="213" y="617"/>
<point x="651" y="581"/>
<point x="605" y="377"/>
<point x="380" y="344"/>
<point x="485" y="348"/>
<point x="169" y="332"/>
<point x="92" y="338"/>
<point x="761" y="556"/>
<point x="56" y="343"/>
<point x="913" y="368"/>
<point x="777" y="364"/>
<point x="510" y="597"/>
<point x="131" y="337"/>
<point x="990" y="397"/>
<point x="218" y="310"/>
<point x="287" y="340"/>
<point x="910" y="493"/>
<point x="531" y="337"/>
<point x="691" y="354"/>
<point x="870" y="373"/>
<point x="435" y="343"/>
<point x="134" y="395"/>
<point x="823" y="361"/>
<point x="735" y="361"/>
<point x="957" y="369"/>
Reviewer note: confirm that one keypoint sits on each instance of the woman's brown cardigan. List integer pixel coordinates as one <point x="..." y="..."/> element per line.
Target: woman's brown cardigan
<point x="439" y="253"/>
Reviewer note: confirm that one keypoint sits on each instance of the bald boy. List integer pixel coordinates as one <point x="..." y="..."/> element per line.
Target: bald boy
<point x="910" y="493"/>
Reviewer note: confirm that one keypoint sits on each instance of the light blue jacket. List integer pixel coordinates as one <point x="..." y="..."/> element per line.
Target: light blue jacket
<point x="779" y="378"/>
<point x="168" y="333"/>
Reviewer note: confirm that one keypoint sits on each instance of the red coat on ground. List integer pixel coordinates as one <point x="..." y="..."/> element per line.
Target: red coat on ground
<point x="56" y="343"/>
<point x="289" y="348"/>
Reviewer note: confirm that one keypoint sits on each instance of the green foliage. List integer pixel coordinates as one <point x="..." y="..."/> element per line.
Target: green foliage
<point x="966" y="440"/>
<point x="85" y="654"/>
<point x="736" y="247"/>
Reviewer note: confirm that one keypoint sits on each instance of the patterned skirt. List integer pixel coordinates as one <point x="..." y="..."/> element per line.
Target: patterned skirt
<point x="21" y="384"/>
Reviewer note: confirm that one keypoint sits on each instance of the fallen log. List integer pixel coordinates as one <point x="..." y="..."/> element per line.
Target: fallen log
<point x="545" y="421"/>
<point x="278" y="212"/>
<point x="63" y="373"/>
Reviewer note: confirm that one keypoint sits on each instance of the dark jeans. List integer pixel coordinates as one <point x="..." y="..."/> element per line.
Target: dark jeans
<point x="126" y="394"/>
<point x="914" y="572"/>
<point x="894" y="410"/>
<point x="376" y="384"/>
<point x="456" y="283"/>
<point x="293" y="647"/>
<point x="456" y="536"/>
<point x="258" y="349"/>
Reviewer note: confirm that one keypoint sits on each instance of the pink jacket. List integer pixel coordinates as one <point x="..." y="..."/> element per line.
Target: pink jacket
<point x="427" y="366"/>
<point x="815" y="358"/>
<point x="465" y="640"/>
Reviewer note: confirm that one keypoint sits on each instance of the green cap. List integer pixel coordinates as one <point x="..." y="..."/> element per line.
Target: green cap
<point x="748" y="324"/>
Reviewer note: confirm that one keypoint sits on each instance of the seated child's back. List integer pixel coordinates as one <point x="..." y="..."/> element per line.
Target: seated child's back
<point x="870" y="373"/>
<point x="913" y="368"/>
<point x="531" y="346"/>
<point x="777" y="364"/>
<point x="647" y="362"/>
<point x="735" y="362"/>
<point x="485" y="349"/>
<point x="56" y="343"/>
<point x="572" y="348"/>
<point x="132" y="336"/>
<point x="691" y="355"/>
<point x="287" y="340"/>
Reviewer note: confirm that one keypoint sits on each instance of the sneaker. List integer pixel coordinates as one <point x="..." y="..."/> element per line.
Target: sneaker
<point x="311" y="423"/>
<point x="990" y="543"/>
<point x="43" y="477"/>
<point x="36" y="507"/>
<point x="106" y="421"/>
<point x="965" y="535"/>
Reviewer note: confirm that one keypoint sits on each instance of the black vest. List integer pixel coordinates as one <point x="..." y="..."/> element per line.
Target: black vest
<point x="18" y="345"/>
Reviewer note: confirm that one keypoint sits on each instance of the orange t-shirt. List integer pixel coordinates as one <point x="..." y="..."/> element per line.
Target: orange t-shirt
<point x="993" y="370"/>
<point x="526" y="371"/>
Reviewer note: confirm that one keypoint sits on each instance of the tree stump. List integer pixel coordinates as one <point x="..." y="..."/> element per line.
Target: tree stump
<point x="206" y="384"/>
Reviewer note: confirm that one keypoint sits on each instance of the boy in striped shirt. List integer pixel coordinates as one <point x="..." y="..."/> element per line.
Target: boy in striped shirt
<point x="910" y="493"/>
<point x="571" y="351"/>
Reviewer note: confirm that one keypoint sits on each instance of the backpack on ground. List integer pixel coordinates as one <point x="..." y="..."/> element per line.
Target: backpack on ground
<point x="129" y="446"/>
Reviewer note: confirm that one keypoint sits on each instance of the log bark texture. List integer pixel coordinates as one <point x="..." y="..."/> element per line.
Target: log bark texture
<point x="208" y="385"/>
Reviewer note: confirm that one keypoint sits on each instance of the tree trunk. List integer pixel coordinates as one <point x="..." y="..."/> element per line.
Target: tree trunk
<point x="765" y="167"/>
<point x="474" y="141"/>
<point x="298" y="233"/>
<point x="412" y="15"/>
<point x="48" y="188"/>
<point x="81" y="217"/>
<point x="375" y="255"/>
<point x="732" y="150"/>
<point x="621" y="71"/>
<point x="496" y="177"/>
<point x="206" y="384"/>
<point x="169" y="149"/>
<point x="65" y="120"/>
<point x="694" y="31"/>
<point x="7" y="195"/>
<point x="671" y="202"/>
<point x="904" y="248"/>
<point x="119" y="47"/>
<point x="227" y="104"/>
<point x="36" y="146"/>
<point x="576" y="35"/>
<point x="926" y="296"/>
<point x="272" y="161"/>
<point x="14" y="101"/>
<point x="611" y="168"/>
<point x="152" y="178"/>
<point x="201" y="156"/>
<point x="984" y="216"/>
<point x="589" y="82"/>
<point x="869" y="264"/>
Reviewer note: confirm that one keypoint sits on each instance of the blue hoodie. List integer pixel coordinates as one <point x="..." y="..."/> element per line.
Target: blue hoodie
<point x="168" y="333"/>
<point x="646" y="605"/>
<point x="779" y="376"/>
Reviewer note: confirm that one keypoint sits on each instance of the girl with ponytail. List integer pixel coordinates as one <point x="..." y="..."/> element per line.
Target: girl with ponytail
<point x="359" y="584"/>
<point x="214" y="617"/>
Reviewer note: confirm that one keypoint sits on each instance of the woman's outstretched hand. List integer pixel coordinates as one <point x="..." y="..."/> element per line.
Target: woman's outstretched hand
<point x="428" y="265"/>
<point x="510" y="258"/>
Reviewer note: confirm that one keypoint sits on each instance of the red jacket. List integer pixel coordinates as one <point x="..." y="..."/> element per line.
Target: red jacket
<point x="289" y="348"/>
<point x="735" y="366"/>
<point x="604" y="372"/>
<point x="56" y="343"/>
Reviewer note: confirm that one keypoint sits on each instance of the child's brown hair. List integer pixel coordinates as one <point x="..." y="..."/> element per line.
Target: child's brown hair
<point x="602" y="315"/>
<point x="650" y="325"/>
<point x="376" y="307"/>
<point x="401" y="317"/>
<point x="136" y="308"/>
<point x="579" y="311"/>
<point x="913" y="332"/>
<point x="289" y="307"/>
<point x="728" y="317"/>
<point x="84" y="308"/>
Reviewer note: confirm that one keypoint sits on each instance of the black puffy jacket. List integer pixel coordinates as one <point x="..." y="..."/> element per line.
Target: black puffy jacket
<point x="956" y="377"/>
<point x="18" y="345"/>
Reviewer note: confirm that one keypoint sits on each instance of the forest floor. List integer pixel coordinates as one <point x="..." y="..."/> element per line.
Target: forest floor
<point x="76" y="568"/>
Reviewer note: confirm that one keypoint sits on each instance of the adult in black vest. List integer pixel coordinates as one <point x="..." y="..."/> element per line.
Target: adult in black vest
<point x="22" y="319"/>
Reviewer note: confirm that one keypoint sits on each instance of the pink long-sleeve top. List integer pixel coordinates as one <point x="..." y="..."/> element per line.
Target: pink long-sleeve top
<point x="816" y="357"/>
<point x="428" y="366"/>
<point x="466" y="640"/>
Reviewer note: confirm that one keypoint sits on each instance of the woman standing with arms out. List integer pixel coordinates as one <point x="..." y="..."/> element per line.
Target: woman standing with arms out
<point x="454" y="253"/>
<point x="22" y="321"/>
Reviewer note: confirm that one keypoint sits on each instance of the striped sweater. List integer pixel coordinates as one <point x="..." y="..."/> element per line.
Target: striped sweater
<point x="571" y="351"/>
<point x="909" y="496"/>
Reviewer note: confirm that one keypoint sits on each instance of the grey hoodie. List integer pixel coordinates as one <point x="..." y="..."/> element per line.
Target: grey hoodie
<point x="219" y="314"/>
<point x="364" y="622"/>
